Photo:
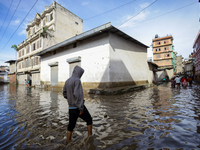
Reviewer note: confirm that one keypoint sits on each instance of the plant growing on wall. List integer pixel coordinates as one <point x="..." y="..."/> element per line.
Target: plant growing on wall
<point x="14" y="46"/>
<point x="44" y="32"/>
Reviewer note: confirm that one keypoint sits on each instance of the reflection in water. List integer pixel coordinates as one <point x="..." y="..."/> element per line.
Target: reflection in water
<point x="158" y="117"/>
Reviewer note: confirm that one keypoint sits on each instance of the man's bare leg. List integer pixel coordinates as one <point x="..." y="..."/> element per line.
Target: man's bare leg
<point x="69" y="135"/>
<point x="89" y="128"/>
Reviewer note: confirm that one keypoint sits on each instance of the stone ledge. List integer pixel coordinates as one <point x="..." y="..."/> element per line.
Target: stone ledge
<point x="118" y="90"/>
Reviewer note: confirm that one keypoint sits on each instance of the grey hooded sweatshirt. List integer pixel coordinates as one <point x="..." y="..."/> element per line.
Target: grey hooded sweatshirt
<point x="73" y="90"/>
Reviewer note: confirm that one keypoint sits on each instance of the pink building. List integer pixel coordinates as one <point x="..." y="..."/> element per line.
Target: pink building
<point x="196" y="48"/>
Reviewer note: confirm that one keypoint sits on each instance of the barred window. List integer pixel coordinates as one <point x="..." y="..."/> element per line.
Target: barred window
<point x="51" y="16"/>
<point x="33" y="47"/>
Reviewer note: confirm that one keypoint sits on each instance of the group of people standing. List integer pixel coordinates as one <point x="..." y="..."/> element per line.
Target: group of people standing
<point x="181" y="81"/>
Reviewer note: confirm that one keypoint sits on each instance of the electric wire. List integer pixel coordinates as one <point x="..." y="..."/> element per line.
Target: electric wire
<point x="109" y="10"/>
<point x="10" y="20"/>
<point x="19" y="26"/>
<point x="6" y="16"/>
<point x="167" y="12"/>
<point x="126" y="20"/>
<point x="137" y="13"/>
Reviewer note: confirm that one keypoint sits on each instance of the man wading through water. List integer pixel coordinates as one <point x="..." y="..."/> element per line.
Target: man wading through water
<point x="73" y="92"/>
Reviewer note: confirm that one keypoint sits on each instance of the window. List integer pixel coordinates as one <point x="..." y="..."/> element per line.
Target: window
<point x="74" y="45"/>
<point x="158" y="43"/>
<point x="167" y="55"/>
<point x="165" y="42"/>
<point x="51" y="16"/>
<point x="33" y="47"/>
<point x="166" y="48"/>
<point x="76" y="23"/>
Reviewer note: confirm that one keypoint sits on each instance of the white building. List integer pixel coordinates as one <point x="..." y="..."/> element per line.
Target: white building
<point x="109" y="57"/>
<point x="3" y="76"/>
<point x="54" y="25"/>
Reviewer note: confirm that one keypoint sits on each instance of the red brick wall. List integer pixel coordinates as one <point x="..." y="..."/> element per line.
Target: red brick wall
<point x="13" y="78"/>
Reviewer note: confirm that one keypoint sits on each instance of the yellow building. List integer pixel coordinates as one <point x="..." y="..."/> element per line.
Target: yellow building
<point x="163" y="52"/>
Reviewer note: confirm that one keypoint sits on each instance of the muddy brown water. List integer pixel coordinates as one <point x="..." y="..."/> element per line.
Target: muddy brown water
<point x="154" y="118"/>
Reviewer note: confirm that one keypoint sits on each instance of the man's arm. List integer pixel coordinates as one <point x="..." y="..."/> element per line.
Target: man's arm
<point x="78" y="93"/>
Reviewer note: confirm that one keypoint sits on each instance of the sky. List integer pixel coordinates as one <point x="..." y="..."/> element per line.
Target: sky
<point x="140" y="19"/>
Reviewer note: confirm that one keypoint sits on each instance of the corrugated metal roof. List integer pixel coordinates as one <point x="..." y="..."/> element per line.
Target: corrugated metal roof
<point x="98" y="30"/>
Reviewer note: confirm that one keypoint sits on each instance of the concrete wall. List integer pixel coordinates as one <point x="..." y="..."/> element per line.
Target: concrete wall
<point x="21" y="79"/>
<point x="162" y="74"/>
<point x="67" y="24"/>
<point x="128" y="62"/>
<point x="35" y="79"/>
<point x="117" y="63"/>
<point x="94" y="55"/>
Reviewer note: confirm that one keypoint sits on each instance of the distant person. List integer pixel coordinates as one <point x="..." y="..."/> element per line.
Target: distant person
<point x="190" y="80"/>
<point x="26" y="83"/>
<point x="29" y="82"/>
<point x="167" y="78"/>
<point x="178" y="82"/>
<point x="184" y="81"/>
<point x="73" y="92"/>
<point x="173" y="82"/>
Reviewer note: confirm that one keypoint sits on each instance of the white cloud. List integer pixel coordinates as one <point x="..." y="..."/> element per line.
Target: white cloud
<point x="144" y="5"/>
<point x="131" y="21"/>
<point x="15" y="22"/>
<point x="85" y="3"/>
<point x="23" y="32"/>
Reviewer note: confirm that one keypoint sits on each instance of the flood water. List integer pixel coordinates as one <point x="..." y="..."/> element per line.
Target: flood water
<point x="155" y="118"/>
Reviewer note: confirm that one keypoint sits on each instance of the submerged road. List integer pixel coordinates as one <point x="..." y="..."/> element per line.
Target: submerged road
<point x="155" y="118"/>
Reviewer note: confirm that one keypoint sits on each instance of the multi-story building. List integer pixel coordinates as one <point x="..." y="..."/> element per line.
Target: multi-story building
<point x="179" y="64"/>
<point x="188" y="66"/>
<point x="163" y="52"/>
<point x="54" y="25"/>
<point x="196" y="49"/>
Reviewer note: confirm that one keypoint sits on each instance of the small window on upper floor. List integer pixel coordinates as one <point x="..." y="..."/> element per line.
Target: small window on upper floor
<point x="51" y="16"/>
<point x="76" y="23"/>
<point x="158" y="43"/>
<point x="33" y="47"/>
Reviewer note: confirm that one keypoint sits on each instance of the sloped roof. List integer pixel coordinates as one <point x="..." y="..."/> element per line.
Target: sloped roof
<point x="98" y="30"/>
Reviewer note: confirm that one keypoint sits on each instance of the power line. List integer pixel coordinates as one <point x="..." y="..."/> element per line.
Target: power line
<point x="6" y="15"/>
<point x="109" y="10"/>
<point x="10" y="20"/>
<point x="19" y="25"/>
<point x="167" y="12"/>
<point x="137" y="13"/>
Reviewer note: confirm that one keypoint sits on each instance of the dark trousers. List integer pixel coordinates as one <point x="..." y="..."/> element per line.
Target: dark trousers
<point x="73" y="116"/>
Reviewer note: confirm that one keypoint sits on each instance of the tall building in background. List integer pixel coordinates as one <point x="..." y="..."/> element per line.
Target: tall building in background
<point x="52" y="26"/>
<point x="196" y="49"/>
<point x="163" y="52"/>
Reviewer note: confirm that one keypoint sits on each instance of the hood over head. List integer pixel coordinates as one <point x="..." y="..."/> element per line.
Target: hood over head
<point x="77" y="72"/>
